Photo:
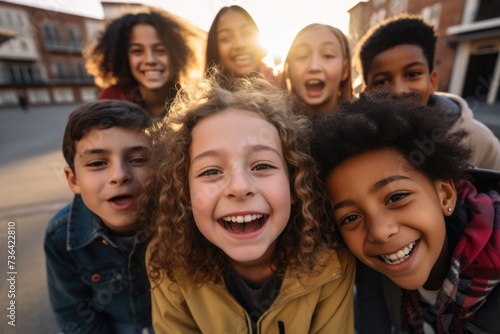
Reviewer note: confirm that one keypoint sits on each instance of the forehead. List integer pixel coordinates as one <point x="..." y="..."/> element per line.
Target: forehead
<point x="317" y="35"/>
<point x="400" y="55"/>
<point x="233" y="19"/>
<point x="142" y="31"/>
<point x="110" y="138"/>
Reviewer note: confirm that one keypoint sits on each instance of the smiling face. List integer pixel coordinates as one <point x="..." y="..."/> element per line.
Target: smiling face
<point x="110" y="169"/>
<point x="316" y="67"/>
<point x="391" y="216"/>
<point x="239" y="184"/>
<point x="402" y="69"/>
<point x="238" y="45"/>
<point x="148" y="58"/>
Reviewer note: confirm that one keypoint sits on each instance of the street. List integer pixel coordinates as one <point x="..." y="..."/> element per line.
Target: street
<point x="32" y="189"/>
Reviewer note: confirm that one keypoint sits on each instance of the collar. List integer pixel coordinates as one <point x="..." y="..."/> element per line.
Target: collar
<point x="84" y="226"/>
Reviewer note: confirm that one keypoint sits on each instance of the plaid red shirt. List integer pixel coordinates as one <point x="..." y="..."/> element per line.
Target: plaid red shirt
<point x="474" y="271"/>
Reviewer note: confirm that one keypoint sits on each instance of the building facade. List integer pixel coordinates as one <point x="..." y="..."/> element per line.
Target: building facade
<point x="41" y="56"/>
<point x="467" y="51"/>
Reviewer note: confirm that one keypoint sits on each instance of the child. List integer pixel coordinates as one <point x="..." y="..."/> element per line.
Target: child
<point x="95" y="259"/>
<point x="317" y="68"/>
<point x="241" y="246"/>
<point x="233" y="45"/>
<point x="405" y="208"/>
<point x="142" y="57"/>
<point x="398" y="54"/>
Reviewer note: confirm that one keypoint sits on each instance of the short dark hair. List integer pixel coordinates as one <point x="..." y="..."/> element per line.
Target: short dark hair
<point x="107" y="59"/>
<point x="101" y="114"/>
<point x="422" y="134"/>
<point x="394" y="31"/>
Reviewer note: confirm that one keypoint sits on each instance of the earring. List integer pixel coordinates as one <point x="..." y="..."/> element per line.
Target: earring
<point x="449" y="209"/>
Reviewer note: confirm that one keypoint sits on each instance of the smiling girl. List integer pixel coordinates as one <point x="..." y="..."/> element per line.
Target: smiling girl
<point x="233" y="45"/>
<point x="143" y="57"/>
<point x="407" y="208"/>
<point x="240" y="240"/>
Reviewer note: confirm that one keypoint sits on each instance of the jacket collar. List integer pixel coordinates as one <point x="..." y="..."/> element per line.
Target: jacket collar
<point x="83" y="226"/>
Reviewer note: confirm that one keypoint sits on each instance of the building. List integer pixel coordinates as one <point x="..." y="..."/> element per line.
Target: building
<point x="468" y="44"/>
<point x="42" y="60"/>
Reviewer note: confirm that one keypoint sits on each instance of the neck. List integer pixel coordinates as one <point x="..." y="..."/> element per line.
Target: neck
<point x="440" y="269"/>
<point x="154" y="100"/>
<point x="255" y="273"/>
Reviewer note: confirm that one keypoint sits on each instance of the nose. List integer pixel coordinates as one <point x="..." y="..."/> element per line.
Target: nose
<point x="315" y="63"/>
<point x="120" y="174"/>
<point x="400" y="87"/>
<point x="380" y="228"/>
<point x="150" y="57"/>
<point x="239" y="184"/>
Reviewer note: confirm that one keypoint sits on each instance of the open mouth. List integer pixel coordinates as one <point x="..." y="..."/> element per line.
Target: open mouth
<point x="315" y="86"/>
<point x="243" y="224"/>
<point x="400" y="256"/>
<point x="123" y="200"/>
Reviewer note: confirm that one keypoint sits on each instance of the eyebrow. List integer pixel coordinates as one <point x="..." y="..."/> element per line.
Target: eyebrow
<point x="252" y="149"/>
<point x="240" y="27"/>
<point x="96" y="151"/>
<point x="377" y="186"/>
<point x="415" y="63"/>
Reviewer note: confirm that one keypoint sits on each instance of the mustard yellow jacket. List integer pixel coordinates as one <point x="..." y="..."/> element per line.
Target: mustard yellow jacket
<point x="316" y="304"/>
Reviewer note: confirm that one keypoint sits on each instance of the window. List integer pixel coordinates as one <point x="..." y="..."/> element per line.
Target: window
<point x="488" y="9"/>
<point x="432" y="14"/>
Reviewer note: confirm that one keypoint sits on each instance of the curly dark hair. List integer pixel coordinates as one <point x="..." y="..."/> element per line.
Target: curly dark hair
<point x="106" y="60"/>
<point x="178" y="249"/>
<point x="212" y="57"/>
<point x="101" y="114"/>
<point x="397" y="30"/>
<point x="422" y="134"/>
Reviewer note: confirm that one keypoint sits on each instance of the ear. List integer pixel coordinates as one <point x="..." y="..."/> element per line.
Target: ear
<point x="72" y="180"/>
<point x="434" y="81"/>
<point x="447" y="195"/>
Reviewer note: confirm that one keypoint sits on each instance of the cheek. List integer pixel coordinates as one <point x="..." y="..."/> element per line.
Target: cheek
<point x="203" y="196"/>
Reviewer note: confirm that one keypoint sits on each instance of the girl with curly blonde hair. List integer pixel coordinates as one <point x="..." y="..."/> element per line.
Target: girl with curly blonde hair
<point x="240" y="240"/>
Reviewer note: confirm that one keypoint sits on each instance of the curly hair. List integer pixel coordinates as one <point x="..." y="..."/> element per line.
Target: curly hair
<point x="345" y="87"/>
<point x="106" y="59"/>
<point x="422" y="134"/>
<point x="397" y="30"/>
<point x="212" y="57"/>
<point x="178" y="249"/>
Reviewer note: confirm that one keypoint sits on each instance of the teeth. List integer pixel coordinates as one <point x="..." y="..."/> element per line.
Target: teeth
<point x="400" y="256"/>
<point x="241" y="219"/>
<point x="242" y="57"/>
<point x="152" y="74"/>
<point x="314" y="82"/>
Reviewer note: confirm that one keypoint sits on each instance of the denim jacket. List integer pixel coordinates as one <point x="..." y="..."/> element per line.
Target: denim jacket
<point x="95" y="284"/>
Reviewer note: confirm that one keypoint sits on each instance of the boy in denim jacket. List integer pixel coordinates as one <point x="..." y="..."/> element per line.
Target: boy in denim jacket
<point x="95" y="258"/>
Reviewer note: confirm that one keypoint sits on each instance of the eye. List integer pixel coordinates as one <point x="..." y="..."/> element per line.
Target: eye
<point x="380" y="82"/>
<point x="261" y="167"/>
<point x="138" y="160"/>
<point x="135" y="51"/>
<point x="329" y="56"/>
<point x="396" y="198"/>
<point x="347" y="220"/>
<point x="96" y="163"/>
<point x="414" y="74"/>
<point x="210" y="172"/>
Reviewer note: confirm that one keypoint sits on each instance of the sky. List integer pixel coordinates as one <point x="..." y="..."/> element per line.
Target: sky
<point x="278" y="20"/>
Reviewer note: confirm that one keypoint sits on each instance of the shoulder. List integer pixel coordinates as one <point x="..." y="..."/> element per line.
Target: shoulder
<point x="60" y="220"/>
<point x="115" y="92"/>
